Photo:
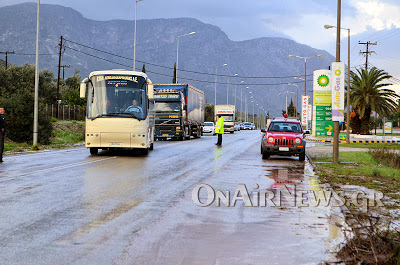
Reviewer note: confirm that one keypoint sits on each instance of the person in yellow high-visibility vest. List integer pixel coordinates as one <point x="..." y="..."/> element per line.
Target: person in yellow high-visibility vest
<point x="219" y="129"/>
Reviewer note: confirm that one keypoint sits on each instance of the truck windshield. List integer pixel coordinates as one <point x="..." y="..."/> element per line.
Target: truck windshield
<point x="284" y="127"/>
<point x="167" y="106"/>
<point x="228" y="117"/>
<point x="117" y="96"/>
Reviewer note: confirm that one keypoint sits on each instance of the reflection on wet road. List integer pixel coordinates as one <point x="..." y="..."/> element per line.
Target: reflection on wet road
<point x="67" y="207"/>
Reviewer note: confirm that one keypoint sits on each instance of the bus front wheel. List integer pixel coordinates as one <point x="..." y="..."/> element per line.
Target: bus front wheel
<point x="94" y="151"/>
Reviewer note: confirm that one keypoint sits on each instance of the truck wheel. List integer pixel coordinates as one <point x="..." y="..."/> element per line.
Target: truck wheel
<point x="232" y="132"/>
<point x="187" y="136"/>
<point x="151" y="146"/>
<point x="265" y="155"/>
<point x="302" y="156"/>
<point x="94" y="151"/>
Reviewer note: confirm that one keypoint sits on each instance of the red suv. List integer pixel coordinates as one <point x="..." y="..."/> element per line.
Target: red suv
<point x="284" y="137"/>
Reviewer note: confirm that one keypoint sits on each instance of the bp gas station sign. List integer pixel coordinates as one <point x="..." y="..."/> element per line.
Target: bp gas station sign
<point x="322" y="102"/>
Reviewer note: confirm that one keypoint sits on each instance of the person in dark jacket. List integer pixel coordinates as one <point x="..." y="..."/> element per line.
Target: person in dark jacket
<point x="2" y="133"/>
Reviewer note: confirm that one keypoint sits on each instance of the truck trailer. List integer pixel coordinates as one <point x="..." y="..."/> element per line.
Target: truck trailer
<point x="228" y="113"/>
<point x="179" y="111"/>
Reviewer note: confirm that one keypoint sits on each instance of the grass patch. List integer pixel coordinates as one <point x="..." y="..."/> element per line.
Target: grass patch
<point x="64" y="134"/>
<point x="16" y="147"/>
<point x="372" y="145"/>
<point x="68" y="132"/>
<point x="359" y="168"/>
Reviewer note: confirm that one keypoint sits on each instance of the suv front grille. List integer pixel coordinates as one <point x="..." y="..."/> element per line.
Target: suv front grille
<point x="283" y="142"/>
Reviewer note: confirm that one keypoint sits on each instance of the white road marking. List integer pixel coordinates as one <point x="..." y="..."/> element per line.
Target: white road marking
<point x="41" y="171"/>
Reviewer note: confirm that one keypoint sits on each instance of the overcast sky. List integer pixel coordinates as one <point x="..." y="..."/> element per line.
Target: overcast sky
<point x="302" y="20"/>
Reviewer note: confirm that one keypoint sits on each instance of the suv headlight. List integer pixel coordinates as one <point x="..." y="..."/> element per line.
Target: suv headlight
<point x="297" y="141"/>
<point x="270" y="139"/>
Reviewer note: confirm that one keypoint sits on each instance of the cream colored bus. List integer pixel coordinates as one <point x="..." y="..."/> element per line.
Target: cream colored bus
<point x="119" y="111"/>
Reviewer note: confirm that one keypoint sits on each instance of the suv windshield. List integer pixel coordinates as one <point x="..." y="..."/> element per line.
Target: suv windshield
<point x="117" y="96"/>
<point x="284" y="127"/>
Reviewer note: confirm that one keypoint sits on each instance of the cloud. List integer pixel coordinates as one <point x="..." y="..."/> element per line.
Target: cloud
<point x="377" y="14"/>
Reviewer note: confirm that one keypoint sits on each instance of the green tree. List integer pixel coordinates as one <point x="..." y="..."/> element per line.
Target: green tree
<point x="368" y="94"/>
<point x="144" y="68"/>
<point x="174" y="81"/>
<point x="71" y="91"/>
<point x="17" y="97"/>
<point x="209" y="112"/>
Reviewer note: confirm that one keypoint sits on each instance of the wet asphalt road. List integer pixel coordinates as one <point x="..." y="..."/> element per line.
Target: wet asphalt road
<point x="67" y="207"/>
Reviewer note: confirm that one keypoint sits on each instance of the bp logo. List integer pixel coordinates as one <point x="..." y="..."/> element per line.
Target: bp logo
<point x="338" y="72"/>
<point x="323" y="80"/>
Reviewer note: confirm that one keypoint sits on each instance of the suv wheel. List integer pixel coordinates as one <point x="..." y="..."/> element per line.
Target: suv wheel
<point x="302" y="156"/>
<point x="265" y="155"/>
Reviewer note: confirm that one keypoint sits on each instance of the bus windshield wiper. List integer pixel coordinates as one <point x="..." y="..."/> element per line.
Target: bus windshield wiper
<point x="113" y="114"/>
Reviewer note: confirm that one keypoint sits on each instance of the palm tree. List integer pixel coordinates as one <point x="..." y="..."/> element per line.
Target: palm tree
<point x="367" y="95"/>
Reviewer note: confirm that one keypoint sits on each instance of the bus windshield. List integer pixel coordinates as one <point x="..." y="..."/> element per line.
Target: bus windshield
<point x="167" y="106"/>
<point x="117" y="96"/>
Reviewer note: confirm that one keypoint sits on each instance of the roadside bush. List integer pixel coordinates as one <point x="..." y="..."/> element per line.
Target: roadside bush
<point x="387" y="157"/>
<point x="17" y="97"/>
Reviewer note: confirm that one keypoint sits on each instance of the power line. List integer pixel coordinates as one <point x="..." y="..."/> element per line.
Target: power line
<point x="183" y="70"/>
<point x="189" y="79"/>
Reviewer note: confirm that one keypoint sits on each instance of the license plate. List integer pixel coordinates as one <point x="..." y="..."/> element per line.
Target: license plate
<point x="283" y="148"/>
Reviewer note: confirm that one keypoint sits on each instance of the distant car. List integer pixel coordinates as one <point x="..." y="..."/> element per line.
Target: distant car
<point x="241" y="126"/>
<point x="253" y="127"/>
<point x="209" y="127"/>
<point x="283" y="137"/>
<point x="236" y="127"/>
<point x="247" y="126"/>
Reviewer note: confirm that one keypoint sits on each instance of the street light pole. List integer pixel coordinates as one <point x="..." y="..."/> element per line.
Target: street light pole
<point x="36" y="103"/>
<point x="305" y="68"/>
<point x="215" y="89"/>
<point x="134" y="39"/>
<point x="177" y="53"/>
<point x="335" y="155"/>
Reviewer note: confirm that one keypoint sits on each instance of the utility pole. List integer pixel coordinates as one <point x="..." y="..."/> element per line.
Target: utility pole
<point x="58" y="76"/>
<point x="63" y="67"/>
<point x="367" y="52"/>
<point x="59" y="67"/>
<point x="7" y="53"/>
<point x="335" y="155"/>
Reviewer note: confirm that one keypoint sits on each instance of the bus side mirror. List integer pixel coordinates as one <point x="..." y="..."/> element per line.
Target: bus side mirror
<point x="150" y="91"/>
<point x="83" y="88"/>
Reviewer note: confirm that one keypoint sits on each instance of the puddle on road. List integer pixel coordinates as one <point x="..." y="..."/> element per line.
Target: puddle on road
<point x="295" y="178"/>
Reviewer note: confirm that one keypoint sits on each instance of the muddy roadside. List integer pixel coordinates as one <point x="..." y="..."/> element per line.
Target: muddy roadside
<point x="374" y="236"/>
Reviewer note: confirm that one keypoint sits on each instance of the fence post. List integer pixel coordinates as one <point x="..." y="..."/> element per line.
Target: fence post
<point x="52" y="111"/>
<point x="69" y="112"/>
<point x="63" y="113"/>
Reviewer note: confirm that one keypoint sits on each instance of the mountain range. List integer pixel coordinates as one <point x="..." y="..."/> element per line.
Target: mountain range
<point x="263" y="64"/>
